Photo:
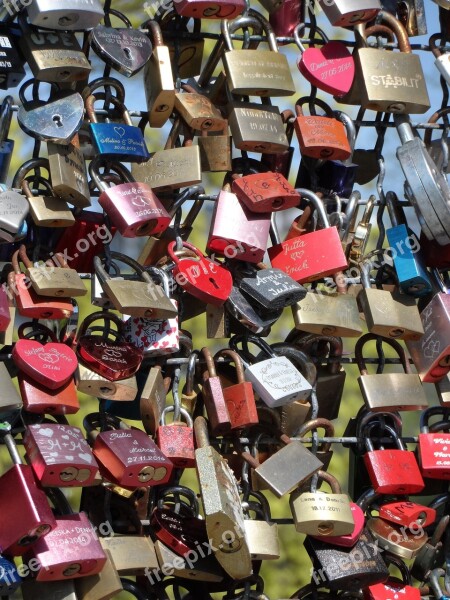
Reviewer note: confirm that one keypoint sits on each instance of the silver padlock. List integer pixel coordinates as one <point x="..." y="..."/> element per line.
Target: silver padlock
<point x="442" y="62"/>
<point x="13" y="212"/>
<point x="73" y="15"/>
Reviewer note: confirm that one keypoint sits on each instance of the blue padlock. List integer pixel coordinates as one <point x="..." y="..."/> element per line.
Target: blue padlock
<point x="121" y="141"/>
<point x="404" y="245"/>
<point x="10" y="579"/>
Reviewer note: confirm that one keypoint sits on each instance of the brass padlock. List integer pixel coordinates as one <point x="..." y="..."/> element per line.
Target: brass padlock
<point x="197" y="110"/>
<point x="131" y="555"/>
<point x="262" y="534"/>
<point x="68" y="172"/>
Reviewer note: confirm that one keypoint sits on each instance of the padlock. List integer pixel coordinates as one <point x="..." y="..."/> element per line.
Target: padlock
<point x="84" y="554"/>
<point x="275" y="380"/>
<point x="239" y="397"/>
<point x="410" y="266"/>
<point x="393" y="585"/>
<point x="261" y="533"/>
<point x="344" y="14"/>
<point x="441" y="62"/>
<point x="132" y="207"/>
<point x="176" y="440"/>
<point x="46" y="209"/>
<point x="407" y="513"/>
<point x="15" y="209"/>
<point x="397" y="540"/>
<point x="68" y="172"/>
<point x="158" y="79"/>
<point x="152" y="400"/>
<point x="433" y="577"/>
<point x="425" y="187"/>
<point x="50" y="363"/>
<point x="131" y="554"/>
<point x="317" y="513"/>
<point x="389" y="391"/>
<point x="281" y="162"/>
<point x="265" y="192"/>
<point x="92" y="587"/>
<point x="56" y="120"/>
<point x="392" y="471"/>
<point x="320" y="136"/>
<point x="53" y="55"/>
<point x="213" y="397"/>
<point x="204" y="279"/>
<point x="342" y="568"/>
<point x="388" y="314"/>
<point x="6" y="144"/>
<point x="113" y="359"/>
<point x="197" y="111"/>
<point x="41" y="399"/>
<point x="56" y="281"/>
<point x="126" y="456"/>
<point x="432" y="448"/>
<point x="253" y="82"/>
<point x="285" y="18"/>
<point x="330" y="68"/>
<point x="29" y="303"/>
<point x="431" y="353"/>
<point x="66" y="15"/>
<point x="223" y="511"/>
<point x="172" y="168"/>
<point x="385" y="80"/>
<point x="135" y="298"/>
<point x="12" y="71"/>
<point x="245" y="236"/>
<point x="36" y="518"/>
<point x="120" y="141"/>
<point x="313" y="255"/>
<point x="124" y="49"/>
<point x="215" y="150"/>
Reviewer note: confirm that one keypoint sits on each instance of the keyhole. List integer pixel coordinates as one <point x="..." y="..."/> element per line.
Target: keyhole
<point x="127" y="53"/>
<point x="57" y="120"/>
<point x="214" y="283"/>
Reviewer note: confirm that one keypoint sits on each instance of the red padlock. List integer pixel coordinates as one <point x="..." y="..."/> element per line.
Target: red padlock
<point x="60" y="456"/>
<point x="176" y="440"/>
<point x="239" y="398"/>
<point x="210" y="9"/>
<point x="128" y="457"/>
<point x="434" y="448"/>
<point x="213" y="397"/>
<point x="40" y="399"/>
<point x="265" y="192"/>
<point x="391" y="471"/>
<point x="313" y="255"/>
<point x="179" y="532"/>
<point x="393" y="587"/>
<point x="408" y="514"/>
<point x="201" y="277"/>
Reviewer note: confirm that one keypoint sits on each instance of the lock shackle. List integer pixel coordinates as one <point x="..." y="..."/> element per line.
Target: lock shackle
<point x="54" y="87"/>
<point x="210" y="366"/>
<point x="399" y="30"/>
<point x="396" y="213"/>
<point x="433" y="579"/>
<point x="329" y="478"/>
<point x="367" y="498"/>
<point x="90" y="108"/>
<point x="301" y="361"/>
<point x="245" y="339"/>
<point x="315" y="200"/>
<point x="24" y="256"/>
<point x="186" y="245"/>
<point x="118" y="256"/>
<point x="154" y="32"/>
<point x="184" y="413"/>
<point x="190" y="373"/>
<point x="431" y="412"/>
<point x="228" y="27"/>
<point x="105" y="82"/>
<point x="177" y="491"/>
<point x="392" y="559"/>
<point x="350" y="129"/>
<point x="38" y="331"/>
<point x="365" y="416"/>
<point x="316" y="424"/>
<point x="375" y="30"/>
<point x="299" y="30"/>
<point x="396" y="438"/>
<point x="116" y="167"/>
<point x="312" y="102"/>
<point x="98" y="316"/>
<point x="442" y="112"/>
<point x="41" y="181"/>
<point x="266" y="28"/>
<point x="30" y="165"/>
<point x="162" y="277"/>
<point x="201" y="432"/>
<point x="6" y="114"/>
<point x="261" y="500"/>
<point x="236" y="359"/>
<point x="121" y="17"/>
<point x="190" y="193"/>
<point x="437" y="52"/>
<point x="394" y="344"/>
<point x="307" y="342"/>
<point x="104" y="421"/>
<point x="365" y="267"/>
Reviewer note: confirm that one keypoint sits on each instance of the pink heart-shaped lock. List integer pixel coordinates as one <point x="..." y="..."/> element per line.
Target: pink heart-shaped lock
<point x="347" y="541"/>
<point x="330" y="68"/>
<point x="51" y="365"/>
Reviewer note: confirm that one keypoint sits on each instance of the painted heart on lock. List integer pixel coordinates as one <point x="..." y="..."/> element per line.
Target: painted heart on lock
<point x="51" y="364"/>
<point x="330" y="68"/>
<point x="112" y="360"/>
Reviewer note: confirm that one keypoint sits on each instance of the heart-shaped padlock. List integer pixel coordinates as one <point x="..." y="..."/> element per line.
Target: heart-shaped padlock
<point x="114" y="359"/>
<point x="51" y="364"/>
<point x="330" y="68"/>
<point x="124" y="49"/>
<point x="56" y="120"/>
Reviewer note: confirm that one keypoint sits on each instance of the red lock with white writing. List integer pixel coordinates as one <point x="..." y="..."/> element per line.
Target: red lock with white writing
<point x="434" y="448"/>
<point x="60" y="456"/>
<point x="132" y="207"/>
<point x="393" y="587"/>
<point x="176" y="439"/>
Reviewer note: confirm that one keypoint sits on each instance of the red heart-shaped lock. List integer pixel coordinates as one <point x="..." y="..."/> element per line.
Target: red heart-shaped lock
<point x="347" y="541"/>
<point x="51" y="364"/>
<point x="330" y="68"/>
<point x="112" y="360"/>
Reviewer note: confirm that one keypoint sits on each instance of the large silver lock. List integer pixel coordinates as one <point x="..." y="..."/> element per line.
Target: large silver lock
<point x="73" y="15"/>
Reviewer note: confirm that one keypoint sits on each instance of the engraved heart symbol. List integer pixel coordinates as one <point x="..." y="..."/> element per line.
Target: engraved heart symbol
<point x="46" y="432"/>
<point x="69" y="458"/>
<point x="86" y="457"/>
<point x="330" y="68"/>
<point x="120" y="131"/>
<point x="65" y="437"/>
<point x="52" y="365"/>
